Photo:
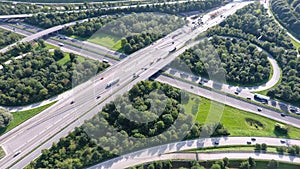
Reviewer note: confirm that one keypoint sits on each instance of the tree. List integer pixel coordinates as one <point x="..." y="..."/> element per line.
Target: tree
<point x="245" y="165"/>
<point x="215" y="166"/>
<point x="252" y="162"/>
<point x="5" y="118"/>
<point x="58" y="54"/>
<point x="226" y="161"/>
<point x="273" y="164"/>
<point x="257" y="147"/>
<point x="72" y="57"/>
<point x="264" y="146"/>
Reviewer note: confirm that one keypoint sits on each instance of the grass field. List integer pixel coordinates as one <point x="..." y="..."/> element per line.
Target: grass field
<point x="66" y="59"/>
<point x="109" y="41"/>
<point x="22" y="116"/>
<point x="2" y="153"/>
<point x="238" y="122"/>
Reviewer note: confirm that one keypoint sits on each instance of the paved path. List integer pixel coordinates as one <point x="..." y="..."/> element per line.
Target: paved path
<point x="160" y="152"/>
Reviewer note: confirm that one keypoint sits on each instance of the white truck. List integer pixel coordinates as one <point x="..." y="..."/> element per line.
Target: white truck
<point x="111" y="83"/>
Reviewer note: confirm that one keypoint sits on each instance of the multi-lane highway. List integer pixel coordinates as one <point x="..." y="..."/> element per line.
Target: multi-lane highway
<point x="165" y="151"/>
<point x="38" y="129"/>
<point x="76" y="47"/>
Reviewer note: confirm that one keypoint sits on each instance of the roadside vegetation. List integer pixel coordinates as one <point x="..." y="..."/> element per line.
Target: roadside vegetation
<point x="288" y="14"/>
<point x="53" y="19"/>
<point x="224" y="163"/>
<point x="5" y="118"/>
<point x="40" y="75"/>
<point x="8" y="37"/>
<point x="21" y="116"/>
<point x="145" y="117"/>
<point x="253" y="24"/>
<point x="239" y="61"/>
<point x="2" y="153"/>
<point x="128" y="33"/>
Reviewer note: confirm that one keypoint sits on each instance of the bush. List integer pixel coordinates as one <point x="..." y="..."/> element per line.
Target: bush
<point x="5" y="118"/>
<point x="282" y="129"/>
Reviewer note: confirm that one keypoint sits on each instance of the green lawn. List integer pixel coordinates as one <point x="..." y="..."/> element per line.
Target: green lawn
<point x="106" y="40"/>
<point x="2" y="153"/>
<point x="238" y="122"/>
<point x="66" y="59"/>
<point x="22" y="116"/>
<point x="295" y="43"/>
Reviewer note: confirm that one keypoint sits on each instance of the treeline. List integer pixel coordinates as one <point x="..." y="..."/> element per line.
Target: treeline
<point x="53" y="19"/>
<point x="86" y="29"/>
<point x="268" y="35"/>
<point x="38" y="76"/>
<point x="12" y="9"/>
<point x="137" y="30"/>
<point x="8" y="37"/>
<point x="238" y="60"/>
<point x="17" y="50"/>
<point x="149" y="114"/>
<point x="288" y="13"/>
<point x="224" y="163"/>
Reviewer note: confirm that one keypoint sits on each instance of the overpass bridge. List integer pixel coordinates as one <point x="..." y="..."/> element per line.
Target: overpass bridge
<point x="40" y="34"/>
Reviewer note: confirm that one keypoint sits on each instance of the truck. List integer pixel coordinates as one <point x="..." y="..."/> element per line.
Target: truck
<point x="261" y="98"/>
<point x="111" y="83"/>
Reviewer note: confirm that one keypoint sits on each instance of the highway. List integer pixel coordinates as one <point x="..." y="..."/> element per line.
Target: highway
<point x="160" y="152"/>
<point x="38" y="129"/>
<point x="83" y="49"/>
<point x="230" y="101"/>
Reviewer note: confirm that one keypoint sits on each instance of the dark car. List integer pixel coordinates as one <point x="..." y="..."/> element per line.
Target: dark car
<point x="17" y="153"/>
<point x="216" y="142"/>
<point x="283" y="115"/>
<point x="282" y="141"/>
<point x="72" y="102"/>
<point x="98" y="97"/>
<point x="248" y="142"/>
<point x="253" y="139"/>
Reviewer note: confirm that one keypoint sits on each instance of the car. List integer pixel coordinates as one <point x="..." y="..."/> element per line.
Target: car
<point x="101" y="78"/>
<point x="293" y="109"/>
<point x="282" y="114"/>
<point x="253" y="139"/>
<point x="98" y="97"/>
<point x="72" y="102"/>
<point x="248" y="142"/>
<point x="17" y="153"/>
<point x="192" y="87"/>
<point x="249" y="98"/>
<point x="216" y="142"/>
<point x="282" y="141"/>
<point x="236" y="92"/>
<point x="259" y="109"/>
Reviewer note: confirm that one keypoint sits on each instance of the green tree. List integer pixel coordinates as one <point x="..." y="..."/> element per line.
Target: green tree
<point x="252" y="162"/>
<point x="245" y="165"/>
<point x="5" y="118"/>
